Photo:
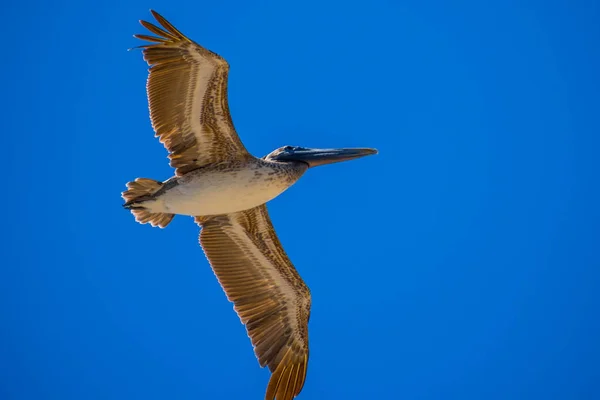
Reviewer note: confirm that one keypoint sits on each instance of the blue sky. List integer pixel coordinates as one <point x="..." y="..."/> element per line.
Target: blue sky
<point x="460" y="263"/>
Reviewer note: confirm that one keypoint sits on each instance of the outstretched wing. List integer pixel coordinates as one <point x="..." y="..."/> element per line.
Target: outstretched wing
<point x="187" y="96"/>
<point x="268" y="295"/>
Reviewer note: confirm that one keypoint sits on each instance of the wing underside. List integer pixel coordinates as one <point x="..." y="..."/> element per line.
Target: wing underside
<point x="187" y="97"/>
<point x="268" y="295"/>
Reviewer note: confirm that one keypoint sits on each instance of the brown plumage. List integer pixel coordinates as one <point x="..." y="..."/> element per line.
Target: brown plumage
<point x="138" y="189"/>
<point x="225" y="188"/>
<point x="268" y="294"/>
<point x="187" y="96"/>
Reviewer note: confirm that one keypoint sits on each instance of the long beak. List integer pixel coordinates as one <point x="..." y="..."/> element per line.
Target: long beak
<point x="316" y="157"/>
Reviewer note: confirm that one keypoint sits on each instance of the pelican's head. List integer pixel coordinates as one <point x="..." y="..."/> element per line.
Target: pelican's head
<point x="316" y="157"/>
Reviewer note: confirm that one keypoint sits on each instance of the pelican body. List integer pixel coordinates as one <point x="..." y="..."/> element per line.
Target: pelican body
<point x="225" y="189"/>
<point x="237" y="185"/>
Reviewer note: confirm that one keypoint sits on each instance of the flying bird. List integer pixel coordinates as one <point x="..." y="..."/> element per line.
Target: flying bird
<point x="225" y="189"/>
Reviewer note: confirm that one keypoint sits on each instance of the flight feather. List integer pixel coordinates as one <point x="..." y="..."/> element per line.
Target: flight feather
<point x="187" y="97"/>
<point x="268" y="295"/>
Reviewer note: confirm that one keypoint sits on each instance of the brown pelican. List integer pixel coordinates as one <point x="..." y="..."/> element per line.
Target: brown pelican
<point x="225" y="189"/>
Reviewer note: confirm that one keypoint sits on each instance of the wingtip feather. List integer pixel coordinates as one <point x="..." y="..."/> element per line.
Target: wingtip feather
<point x="288" y="379"/>
<point x="170" y="27"/>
